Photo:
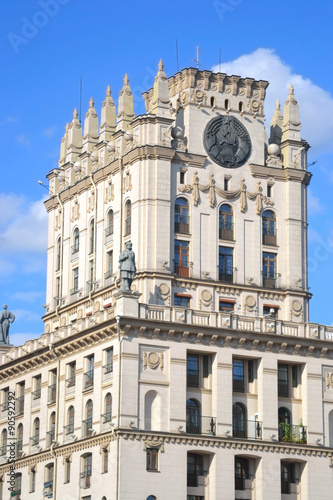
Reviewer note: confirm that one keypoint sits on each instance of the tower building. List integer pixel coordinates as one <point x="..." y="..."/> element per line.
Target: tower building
<point x="206" y="380"/>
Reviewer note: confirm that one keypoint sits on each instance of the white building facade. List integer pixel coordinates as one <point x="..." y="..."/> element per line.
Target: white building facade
<point x="207" y="380"/>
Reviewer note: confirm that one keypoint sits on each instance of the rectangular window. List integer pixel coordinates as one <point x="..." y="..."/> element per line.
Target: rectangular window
<point x="19" y="405"/>
<point x="105" y="459"/>
<point x="283" y="381"/>
<point x="67" y="471"/>
<point x="71" y="368"/>
<point x="182" y="177"/>
<point x="109" y="264"/>
<point x="269" y="190"/>
<point x="271" y="311"/>
<point x="5" y="399"/>
<point x="37" y="384"/>
<point x="269" y="269"/>
<point x="182" y="258"/>
<point x="182" y="300"/>
<point x="226" y="269"/>
<point x="238" y="375"/>
<point x="193" y="372"/>
<point x="294" y="375"/>
<point x="152" y="459"/>
<point x="241" y="472"/>
<point x="89" y="374"/>
<point x="287" y="477"/>
<point x="194" y="468"/>
<point x="108" y="367"/>
<point x="250" y="369"/>
<point x="32" y="480"/>
<point x="52" y="388"/>
<point x="226" y="306"/>
<point x="75" y="288"/>
<point x="226" y="183"/>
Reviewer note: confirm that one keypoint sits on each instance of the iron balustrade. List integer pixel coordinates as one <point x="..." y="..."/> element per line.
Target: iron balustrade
<point x="196" y="424"/>
<point x="4" y="406"/>
<point x="108" y="368"/>
<point x="182" y="224"/>
<point x="109" y="231"/>
<point x="247" y="429"/>
<point x="19" y="406"/>
<point x="227" y="274"/>
<point x="34" y="440"/>
<point x="70" y="382"/>
<point x="269" y="236"/>
<point x="75" y="249"/>
<point x="74" y="290"/>
<point x="69" y="429"/>
<point x="87" y="427"/>
<point x="292" y="433"/>
<point x="88" y="380"/>
<point x="269" y="279"/>
<point x="52" y="392"/>
<point x="3" y="450"/>
<point x="106" y="417"/>
<point x="85" y="478"/>
<point x="36" y="394"/>
<point x="226" y="231"/>
<point x="108" y="274"/>
<point x="182" y="269"/>
<point x="49" y="437"/>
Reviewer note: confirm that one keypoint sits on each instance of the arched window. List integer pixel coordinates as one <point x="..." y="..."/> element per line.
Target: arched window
<point x="226" y="226"/>
<point x="285" y="427"/>
<point x="19" y="442"/>
<point x="70" y="420"/>
<point x="151" y="497"/>
<point x="226" y="104"/>
<point x="76" y="240"/>
<point x="284" y="415"/>
<point x="108" y="408"/>
<point x="239" y="422"/>
<point x="241" y="106"/>
<point x="86" y="470"/>
<point x="3" y="450"/>
<point x="89" y="419"/>
<point x="58" y="256"/>
<point x="109" y="227"/>
<point x="193" y="416"/>
<point x="152" y="411"/>
<point x="92" y="236"/>
<point x="268" y="228"/>
<point x="182" y="219"/>
<point x="212" y="102"/>
<point x="128" y="217"/>
<point x="35" y="432"/>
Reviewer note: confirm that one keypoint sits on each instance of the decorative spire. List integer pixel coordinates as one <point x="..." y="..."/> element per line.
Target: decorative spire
<point x="125" y="106"/>
<point x="291" y="125"/>
<point x="276" y="125"/>
<point x="63" y="146"/>
<point x="160" y="103"/>
<point x="90" y="135"/>
<point x="108" y="117"/>
<point x="74" y="142"/>
<point x="75" y="115"/>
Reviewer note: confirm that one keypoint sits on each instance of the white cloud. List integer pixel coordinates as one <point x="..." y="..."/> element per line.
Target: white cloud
<point x="316" y="104"/>
<point x="18" y="339"/>
<point x="23" y="140"/>
<point x="27" y="296"/>
<point x="49" y="132"/>
<point x="26" y="315"/>
<point x="26" y="228"/>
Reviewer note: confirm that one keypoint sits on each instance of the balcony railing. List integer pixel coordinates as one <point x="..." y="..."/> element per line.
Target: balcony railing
<point x="106" y="417"/>
<point x="19" y="406"/>
<point x="34" y="440"/>
<point x="85" y="480"/>
<point x="247" y="429"/>
<point x="269" y="279"/>
<point x="3" y="450"/>
<point x="269" y="236"/>
<point x="226" y="274"/>
<point x="200" y="425"/>
<point x="182" y="224"/>
<point x="74" y="290"/>
<point x="292" y="433"/>
<point x="36" y="394"/>
<point x="90" y="286"/>
<point x="108" y="368"/>
<point x="70" y="382"/>
<point x="19" y="447"/>
<point x="88" y="380"/>
<point x="194" y="479"/>
<point x="87" y="427"/>
<point x="108" y="274"/>
<point x="109" y="231"/>
<point x="52" y="393"/>
<point x="75" y="249"/>
<point x="69" y="429"/>
<point x="226" y="231"/>
<point x="183" y="269"/>
<point x="4" y="406"/>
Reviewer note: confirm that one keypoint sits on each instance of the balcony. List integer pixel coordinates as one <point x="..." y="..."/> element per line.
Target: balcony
<point x="87" y="429"/>
<point x="106" y="417"/>
<point x="52" y="393"/>
<point x="247" y="429"/>
<point x="69" y="429"/>
<point x="19" y="406"/>
<point x="75" y="249"/>
<point x="226" y="231"/>
<point x="70" y="384"/>
<point x="3" y="450"/>
<point x="74" y="290"/>
<point x="34" y="440"/>
<point x="109" y="231"/>
<point x="292" y="433"/>
<point x="269" y="236"/>
<point x="227" y="274"/>
<point x="200" y="425"/>
<point x="48" y="489"/>
<point x="4" y="406"/>
<point x="182" y="224"/>
<point x="19" y="447"/>
<point x="36" y="394"/>
<point x="196" y="479"/>
<point x="88" y="380"/>
<point x="269" y="279"/>
<point x="49" y="438"/>
<point x="183" y="269"/>
<point x="85" y="480"/>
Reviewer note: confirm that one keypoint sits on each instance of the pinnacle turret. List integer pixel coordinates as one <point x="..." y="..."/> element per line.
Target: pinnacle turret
<point x="160" y="103"/>
<point x="91" y="136"/>
<point x="276" y="125"/>
<point x="125" y="106"/>
<point x="108" y="117"/>
<point x="291" y="125"/>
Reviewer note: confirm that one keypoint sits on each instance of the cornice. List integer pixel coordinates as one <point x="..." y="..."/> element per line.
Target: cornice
<point x="280" y="174"/>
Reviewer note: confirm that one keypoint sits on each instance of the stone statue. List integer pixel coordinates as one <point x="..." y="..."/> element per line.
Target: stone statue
<point x="6" y="317"/>
<point x="127" y="267"/>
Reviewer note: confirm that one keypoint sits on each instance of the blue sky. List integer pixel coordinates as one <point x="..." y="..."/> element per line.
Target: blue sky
<point x="47" y="44"/>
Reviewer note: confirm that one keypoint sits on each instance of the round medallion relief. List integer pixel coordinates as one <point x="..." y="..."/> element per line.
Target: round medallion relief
<point x="206" y="296"/>
<point x="297" y="306"/>
<point x="250" y="301"/>
<point x="164" y="289"/>
<point x="227" y="142"/>
<point x="153" y="359"/>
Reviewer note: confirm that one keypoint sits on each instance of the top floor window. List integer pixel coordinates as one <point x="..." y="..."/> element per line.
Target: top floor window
<point x="182" y="219"/>
<point x="128" y="218"/>
<point x="76" y="240"/>
<point x="226" y="226"/>
<point x="109" y="227"/>
<point x="268" y="228"/>
<point x="92" y="236"/>
<point x="58" y="256"/>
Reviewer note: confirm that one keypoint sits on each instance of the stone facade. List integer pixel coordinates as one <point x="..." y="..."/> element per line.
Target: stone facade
<point x="206" y="381"/>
